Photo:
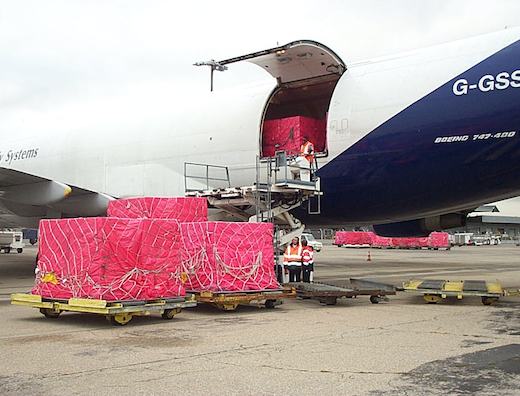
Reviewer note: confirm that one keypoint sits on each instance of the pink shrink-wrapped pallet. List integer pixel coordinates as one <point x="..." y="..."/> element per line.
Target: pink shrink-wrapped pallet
<point x="410" y="242"/>
<point x="221" y="256"/>
<point x="108" y="258"/>
<point x="180" y="208"/>
<point x="439" y="240"/>
<point x="381" y="242"/>
<point x="353" y="238"/>
<point x="287" y="134"/>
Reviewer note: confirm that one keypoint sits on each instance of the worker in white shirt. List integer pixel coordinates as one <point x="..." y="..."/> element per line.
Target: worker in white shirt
<point x="304" y="162"/>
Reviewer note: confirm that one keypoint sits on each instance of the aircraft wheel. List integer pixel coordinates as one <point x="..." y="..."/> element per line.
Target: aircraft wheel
<point x="19" y="250"/>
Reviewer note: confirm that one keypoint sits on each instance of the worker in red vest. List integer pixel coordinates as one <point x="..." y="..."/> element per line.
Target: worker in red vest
<point x="307" y="261"/>
<point x="292" y="260"/>
<point x="307" y="150"/>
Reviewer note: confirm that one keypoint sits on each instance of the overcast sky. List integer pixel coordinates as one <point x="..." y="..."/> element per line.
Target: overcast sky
<point x="54" y="51"/>
<point x="72" y="54"/>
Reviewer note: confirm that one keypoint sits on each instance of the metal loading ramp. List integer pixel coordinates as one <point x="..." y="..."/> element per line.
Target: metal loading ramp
<point x="329" y="294"/>
<point x="434" y="290"/>
<point x="269" y="198"/>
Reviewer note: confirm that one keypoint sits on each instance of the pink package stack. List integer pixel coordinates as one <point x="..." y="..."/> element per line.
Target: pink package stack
<point x="181" y="208"/>
<point x="152" y="248"/>
<point x="287" y="134"/>
<point x="221" y="256"/>
<point x="353" y="238"/>
<point x="108" y="258"/>
<point x="439" y="240"/>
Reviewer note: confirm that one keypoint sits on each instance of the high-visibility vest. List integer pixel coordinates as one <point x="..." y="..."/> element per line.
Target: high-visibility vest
<point x="307" y="255"/>
<point x="293" y="255"/>
<point x="307" y="151"/>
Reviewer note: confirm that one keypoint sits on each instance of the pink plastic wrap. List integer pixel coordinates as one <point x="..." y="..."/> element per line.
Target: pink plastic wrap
<point x="439" y="240"/>
<point x="288" y="133"/>
<point x="381" y="242"/>
<point x="354" y="238"/>
<point x="109" y="258"/>
<point x="181" y="209"/>
<point x="220" y="256"/>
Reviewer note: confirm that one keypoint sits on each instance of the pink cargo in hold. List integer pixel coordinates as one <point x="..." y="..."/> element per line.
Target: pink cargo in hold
<point x="180" y="208"/>
<point x="287" y="134"/>
<point x="221" y="256"/>
<point x="109" y="258"/>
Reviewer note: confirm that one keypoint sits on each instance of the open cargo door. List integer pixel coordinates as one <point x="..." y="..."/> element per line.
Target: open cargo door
<point x="306" y="73"/>
<point x="298" y="60"/>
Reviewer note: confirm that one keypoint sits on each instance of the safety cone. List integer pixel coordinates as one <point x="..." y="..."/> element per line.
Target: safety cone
<point x="369" y="258"/>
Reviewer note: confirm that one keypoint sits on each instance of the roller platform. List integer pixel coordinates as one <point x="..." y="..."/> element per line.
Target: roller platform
<point x="116" y="312"/>
<point x="329" y="294"/>
<point x="434" y="290"/>
<point x="229" y="301"/>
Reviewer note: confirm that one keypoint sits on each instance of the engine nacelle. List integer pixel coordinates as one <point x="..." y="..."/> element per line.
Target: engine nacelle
<point x="421" y="227"/>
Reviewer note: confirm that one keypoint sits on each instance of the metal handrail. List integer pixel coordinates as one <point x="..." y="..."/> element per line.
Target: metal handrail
<point x="206" y="177"/>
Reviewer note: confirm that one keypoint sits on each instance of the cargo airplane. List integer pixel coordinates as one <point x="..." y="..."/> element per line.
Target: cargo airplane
<point x="413" y="142"/>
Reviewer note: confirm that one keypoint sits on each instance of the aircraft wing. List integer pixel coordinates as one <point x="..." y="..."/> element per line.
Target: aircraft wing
<point x="26" y="198"/>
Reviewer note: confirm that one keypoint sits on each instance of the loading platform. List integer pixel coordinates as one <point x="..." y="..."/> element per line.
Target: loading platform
<point x="116" y="312"/>
<point x="434" y="291"/>
<point x="229" y="301"/>
<point x="329" y="294"/>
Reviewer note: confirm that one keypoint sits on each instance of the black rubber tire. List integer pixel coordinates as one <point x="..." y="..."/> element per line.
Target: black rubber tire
<point x="114" y="322"/>
<point x="169" y="314"/>
<point x="375" y="299"/>
<point x="49" y="313"/>
<point x="329" y="301"/>
<point x="7" y="250"/>
<point x="19" y="250"/>
<point x="270" y="304"/>
<point x="489" y="300"/>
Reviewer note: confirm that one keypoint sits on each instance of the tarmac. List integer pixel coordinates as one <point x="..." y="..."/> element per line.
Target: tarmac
<point x="404" y="346"/>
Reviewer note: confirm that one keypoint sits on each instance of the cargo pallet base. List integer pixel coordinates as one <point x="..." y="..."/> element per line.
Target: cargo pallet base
<point x="434" y="291"/>
<point x="229" y="301"/>
<point x="117" y="312"/>
<point x="328" y="294"/>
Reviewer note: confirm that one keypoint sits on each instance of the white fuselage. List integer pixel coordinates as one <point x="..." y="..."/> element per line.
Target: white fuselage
<point x="144" y="154"/>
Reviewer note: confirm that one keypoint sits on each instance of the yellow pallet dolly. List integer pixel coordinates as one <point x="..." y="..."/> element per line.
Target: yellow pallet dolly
<point x="229" y="301"/>
<point x="434" y="291"/>
<point x="117" y="313"/>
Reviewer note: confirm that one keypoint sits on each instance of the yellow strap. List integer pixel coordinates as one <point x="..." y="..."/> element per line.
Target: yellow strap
<point x="50" y="277"/>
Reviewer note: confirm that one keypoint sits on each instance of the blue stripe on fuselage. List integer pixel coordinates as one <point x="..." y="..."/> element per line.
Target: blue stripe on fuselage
<point x="398" y="172"/>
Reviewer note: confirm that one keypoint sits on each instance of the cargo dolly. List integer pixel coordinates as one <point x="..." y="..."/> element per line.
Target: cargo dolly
<point x="229" y="301"/>
<point x="117" y="312"/>
<point x="329" y="294"/>
<point x="434" y="291"/>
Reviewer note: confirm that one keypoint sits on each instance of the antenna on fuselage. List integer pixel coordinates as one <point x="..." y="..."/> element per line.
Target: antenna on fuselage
<point x="214" y="65"/>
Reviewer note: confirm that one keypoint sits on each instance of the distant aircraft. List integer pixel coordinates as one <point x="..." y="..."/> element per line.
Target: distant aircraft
<point x="413" y="142"/>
